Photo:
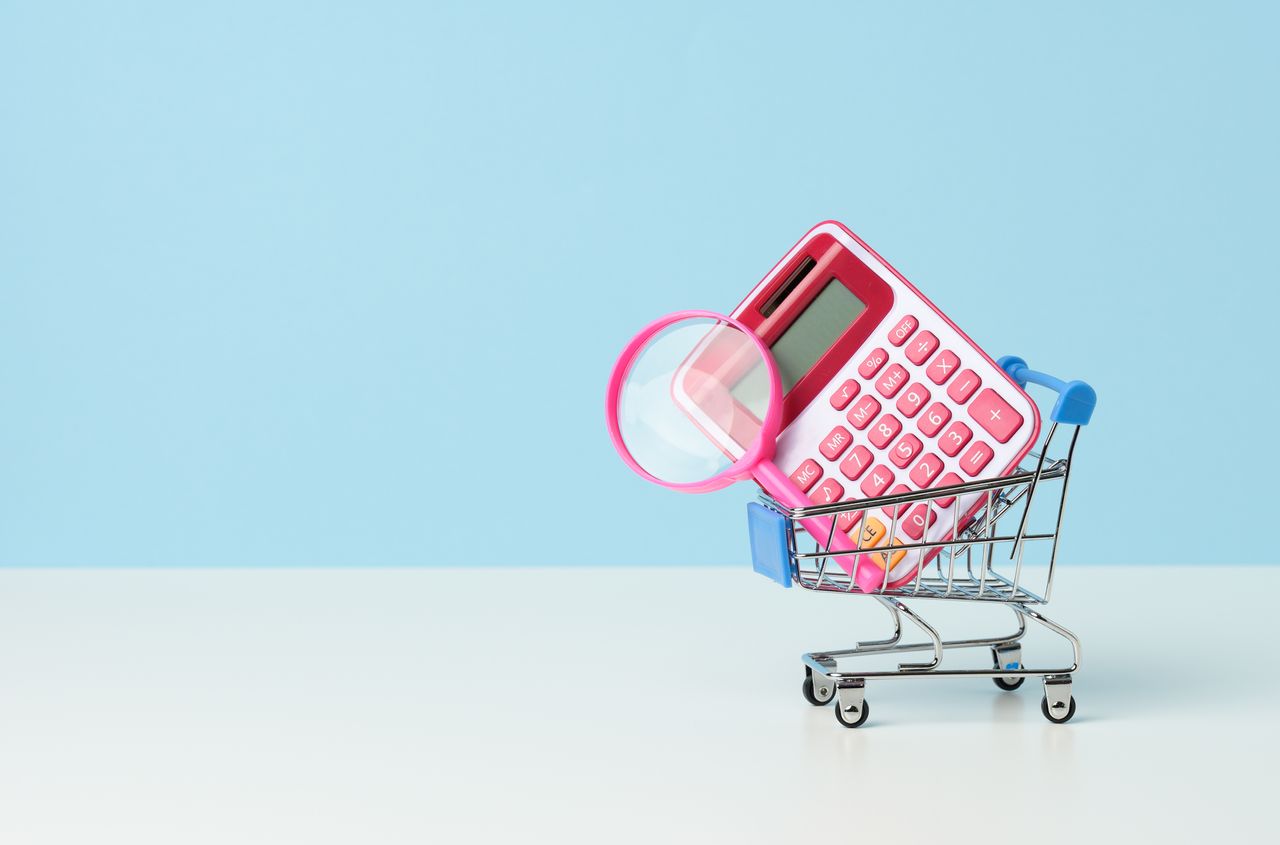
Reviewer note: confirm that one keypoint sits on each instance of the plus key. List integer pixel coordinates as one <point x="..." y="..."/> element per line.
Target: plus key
<point x="995" y="415"/>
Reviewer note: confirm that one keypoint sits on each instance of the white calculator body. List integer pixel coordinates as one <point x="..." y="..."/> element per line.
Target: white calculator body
<point x="883" y="394"/>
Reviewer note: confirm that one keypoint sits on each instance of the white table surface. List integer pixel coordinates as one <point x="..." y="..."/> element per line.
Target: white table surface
<point x="632" y="705"/>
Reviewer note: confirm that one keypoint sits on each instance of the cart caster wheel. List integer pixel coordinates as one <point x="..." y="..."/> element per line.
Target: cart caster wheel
<point x="1058" y="719"/>
<point x="1008" y="686"/>
<point x="821" y="696"/>
<point x="844" y="718"/>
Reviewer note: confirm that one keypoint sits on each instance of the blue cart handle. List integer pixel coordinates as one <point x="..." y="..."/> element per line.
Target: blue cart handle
<point x="1075" y="398"/>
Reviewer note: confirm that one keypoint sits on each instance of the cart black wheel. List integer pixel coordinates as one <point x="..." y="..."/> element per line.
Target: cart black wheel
<point x="1007" y="686"/>
<point x="814" y="696"/>
<point x="1071" y="711"/>
<point x="862" y="717"/>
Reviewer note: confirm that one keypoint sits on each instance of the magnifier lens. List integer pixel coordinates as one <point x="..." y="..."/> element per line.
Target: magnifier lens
<point x="693" y="401"/>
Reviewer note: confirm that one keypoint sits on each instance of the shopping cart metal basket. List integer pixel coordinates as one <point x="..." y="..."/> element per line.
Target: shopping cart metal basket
<point x="981" y="562"/>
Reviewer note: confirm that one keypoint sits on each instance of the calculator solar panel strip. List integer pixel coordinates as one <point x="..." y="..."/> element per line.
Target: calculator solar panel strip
<point x="883" y="395"/>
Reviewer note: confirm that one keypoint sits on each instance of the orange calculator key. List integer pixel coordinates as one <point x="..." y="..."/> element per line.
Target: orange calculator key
<point x="892" y="559"/>
<point x="873" y="533"/>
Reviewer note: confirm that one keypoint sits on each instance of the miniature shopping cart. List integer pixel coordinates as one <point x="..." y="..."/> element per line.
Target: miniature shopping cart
<point x="981" y="562"/>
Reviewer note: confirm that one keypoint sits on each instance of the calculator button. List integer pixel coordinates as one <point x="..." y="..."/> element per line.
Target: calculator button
<point x="978" y="456"/>
<point x="898" y="334"/>
<point x="901" y="509"/>
<point x="943" y="367"/>
<point x="946" y="481"/>
<point x="876" y="481"/>
<point x="828" y="492"/>
<point x="934" y="419"/>
<point x="926" y="471"/>
<point x="846" y="521"/>
<point x="913" y="400"/>
<point x="842" y="397"/>
<point x="921" y="347"/>
<point x="892" y="381"/>
<point x="863" y="412"/>
<point x="905" y="451"/>
<point x="964" y="385"/>
<point x="885" y="429"/>
<point x="873" y="533"/>
<point x="834" y="444"/>
<point x="807" y="474"/>
<point x="920" y="518"/>
<point x="954" y="438"/>
<point x="995" y="415"/>
<point x="891" y="559"/>
<point x="857" y="462"/>
<point x="873" y="362"/>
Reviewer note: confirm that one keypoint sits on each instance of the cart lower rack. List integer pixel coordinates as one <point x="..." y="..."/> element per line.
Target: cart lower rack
<point x="976" y="563"/>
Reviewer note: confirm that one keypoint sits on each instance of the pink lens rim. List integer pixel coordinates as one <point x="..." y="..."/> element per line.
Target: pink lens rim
<point x="761" y="450"/>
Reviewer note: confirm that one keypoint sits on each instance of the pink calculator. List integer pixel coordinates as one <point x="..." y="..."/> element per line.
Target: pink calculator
<point x="883" y="394"/>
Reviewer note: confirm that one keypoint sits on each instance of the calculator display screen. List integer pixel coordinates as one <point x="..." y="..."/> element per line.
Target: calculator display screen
<point x="819" y="326"/>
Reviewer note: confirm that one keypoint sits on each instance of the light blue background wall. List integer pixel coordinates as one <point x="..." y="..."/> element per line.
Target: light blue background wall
<point x="288" y="284"/>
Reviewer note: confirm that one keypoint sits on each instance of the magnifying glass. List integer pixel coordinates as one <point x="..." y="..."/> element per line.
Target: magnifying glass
<point x="695" y="404"/>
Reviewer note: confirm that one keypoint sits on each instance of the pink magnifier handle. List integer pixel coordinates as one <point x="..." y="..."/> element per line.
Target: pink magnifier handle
<point x="785" y="492"/>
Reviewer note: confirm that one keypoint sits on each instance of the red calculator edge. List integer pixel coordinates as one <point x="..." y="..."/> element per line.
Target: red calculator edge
<point x="833" y="250"/>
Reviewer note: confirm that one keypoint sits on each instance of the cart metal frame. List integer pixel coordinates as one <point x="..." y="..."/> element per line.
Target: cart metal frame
<point x="966" y="569"/>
